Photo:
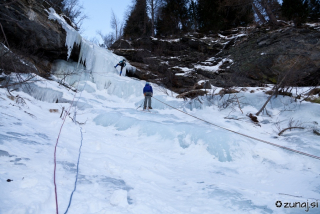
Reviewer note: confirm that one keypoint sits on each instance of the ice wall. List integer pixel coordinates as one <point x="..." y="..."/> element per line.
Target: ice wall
<point x="99" y="62"/>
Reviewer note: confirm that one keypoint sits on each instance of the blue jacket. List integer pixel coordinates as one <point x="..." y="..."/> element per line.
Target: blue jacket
<point x="122" y="63"/>
<point x="147" y="88"/>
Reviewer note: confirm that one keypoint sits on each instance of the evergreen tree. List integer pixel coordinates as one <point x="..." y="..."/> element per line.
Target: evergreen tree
<point x="208" y="15"/>
<point x="138" y="23"/>
<point x="173" y="17"/>
<point x="296" y="10"/>
<point x="236" y="13"/>
<point x="193" y="15"/>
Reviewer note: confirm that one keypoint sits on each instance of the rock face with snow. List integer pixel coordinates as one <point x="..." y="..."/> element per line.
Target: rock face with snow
<point x="266" y="54"/>
<point x="177" y="63"/>
<point x="28" y="29"/>
<point x="238" y="57"/>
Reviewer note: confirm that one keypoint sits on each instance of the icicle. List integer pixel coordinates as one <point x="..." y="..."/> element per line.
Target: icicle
<point x="73" y="36"/>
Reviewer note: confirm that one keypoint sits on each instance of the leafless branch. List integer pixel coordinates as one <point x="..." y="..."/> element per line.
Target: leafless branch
<point x="8" y="3"/>
<point x="277" y="86"/>
<point x="4" y="36"/>
<point x="289" y="128"/>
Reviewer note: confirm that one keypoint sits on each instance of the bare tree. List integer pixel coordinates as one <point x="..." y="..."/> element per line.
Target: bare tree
<point x="116" y="25"/>
<point x="152" y="6"/>
<point x="264" y="9"/>
<point x="281" y="84"/>
<point x="74" y="10"/>
<point x="121" y="30"/>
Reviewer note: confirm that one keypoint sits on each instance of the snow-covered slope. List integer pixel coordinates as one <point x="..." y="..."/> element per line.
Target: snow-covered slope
<point x="160" y="162"/>
<point x="140" y="162"/>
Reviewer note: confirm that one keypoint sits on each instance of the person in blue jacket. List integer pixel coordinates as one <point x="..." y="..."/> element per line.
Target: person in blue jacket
<point x="122" y="64"/>
<point x="148" y="93"/>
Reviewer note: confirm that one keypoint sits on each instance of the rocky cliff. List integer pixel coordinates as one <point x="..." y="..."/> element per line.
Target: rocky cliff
<point x="267" y="55"/>
<point x="238" y="57"/>
<point x="31" y="35"/>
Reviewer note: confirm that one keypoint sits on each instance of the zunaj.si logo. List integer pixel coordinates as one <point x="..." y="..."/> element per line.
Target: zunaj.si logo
<point x="278" y="204"/>
<point x="305" y="205"/>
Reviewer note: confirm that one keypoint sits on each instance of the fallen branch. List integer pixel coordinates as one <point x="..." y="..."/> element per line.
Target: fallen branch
<point x="280" y="133"/>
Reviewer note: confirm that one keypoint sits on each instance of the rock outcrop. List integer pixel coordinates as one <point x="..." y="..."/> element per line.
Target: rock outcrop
<point x="29" y="31"/>
<point x="266" y="56"/>
<point x="239" y="57"/>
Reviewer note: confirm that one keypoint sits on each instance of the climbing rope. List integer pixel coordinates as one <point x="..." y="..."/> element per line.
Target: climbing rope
<point x="263" y="141"/>
<point x="75" y="183"/>
<point x="55" y="148"/>
<point x="74" y="119"/>
<point x="55" y="155"/>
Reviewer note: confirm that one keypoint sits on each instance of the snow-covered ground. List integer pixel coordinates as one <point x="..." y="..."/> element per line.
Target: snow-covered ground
<point x="162" y="161"/>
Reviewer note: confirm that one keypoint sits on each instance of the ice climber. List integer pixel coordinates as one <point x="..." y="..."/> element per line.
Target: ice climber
<point x="122" y="64"/>
<point x="148" y="92"/>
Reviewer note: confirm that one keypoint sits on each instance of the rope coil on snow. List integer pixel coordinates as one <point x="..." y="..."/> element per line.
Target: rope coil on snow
<point x="257" y="139"/>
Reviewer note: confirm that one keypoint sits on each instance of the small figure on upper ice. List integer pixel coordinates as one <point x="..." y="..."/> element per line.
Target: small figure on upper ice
<point x="122" y="64"/>
<point x="148" y="93"/>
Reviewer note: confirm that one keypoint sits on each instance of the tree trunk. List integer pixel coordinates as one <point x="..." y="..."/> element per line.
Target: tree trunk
<point x="260" y="16"/>
<point x="270" y="14"/>
<point x="152" y="17"/>
<point x="275" y="89"/>
<point x="145" y="20"/>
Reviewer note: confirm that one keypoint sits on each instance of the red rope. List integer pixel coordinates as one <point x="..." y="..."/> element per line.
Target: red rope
<point x="55" y="151"/>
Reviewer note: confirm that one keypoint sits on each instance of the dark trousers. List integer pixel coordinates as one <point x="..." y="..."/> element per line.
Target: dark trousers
<point x="120" y="68"/>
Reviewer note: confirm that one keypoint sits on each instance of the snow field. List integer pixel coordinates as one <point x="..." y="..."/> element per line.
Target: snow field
<point x="161" y="162"/>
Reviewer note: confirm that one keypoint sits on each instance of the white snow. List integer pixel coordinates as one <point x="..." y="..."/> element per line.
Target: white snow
<point x="119" y="198"/>
<point x="233" y="36"/>
<point x="166" y="40"/>
<point x="201" y="81"/>
<point x="212" y="68"/>
<point x="161" y="161"/>
<point x="313" y="24"/>
<point x="184" y="69"/>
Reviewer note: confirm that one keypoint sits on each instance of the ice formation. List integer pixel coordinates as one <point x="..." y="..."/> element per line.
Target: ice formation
<point x="73" y="37"/>
<point x="99" y="62"/>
